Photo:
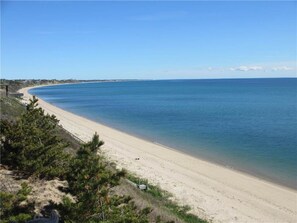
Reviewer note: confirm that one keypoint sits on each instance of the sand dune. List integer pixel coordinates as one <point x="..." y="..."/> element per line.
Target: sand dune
<point x="214" y="192"/>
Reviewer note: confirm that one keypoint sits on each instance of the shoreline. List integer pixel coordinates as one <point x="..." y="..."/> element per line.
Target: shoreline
<point x="257" y="175"/>
<point x="213" y="191"/>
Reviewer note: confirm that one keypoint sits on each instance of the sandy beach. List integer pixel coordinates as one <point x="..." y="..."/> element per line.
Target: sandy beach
<point x="212" y="191"/>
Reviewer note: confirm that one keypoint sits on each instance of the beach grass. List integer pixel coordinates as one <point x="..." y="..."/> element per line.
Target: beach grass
<point x="166" y="199"/>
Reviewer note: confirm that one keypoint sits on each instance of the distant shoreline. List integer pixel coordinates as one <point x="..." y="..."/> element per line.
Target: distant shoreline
<point x="195" y="175"/>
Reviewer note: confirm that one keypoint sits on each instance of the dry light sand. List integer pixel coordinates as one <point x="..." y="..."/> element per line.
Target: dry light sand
<point x="214" y="192"/>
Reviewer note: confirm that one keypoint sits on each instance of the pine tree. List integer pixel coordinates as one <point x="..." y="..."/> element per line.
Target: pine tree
<point x="31" y="144"/>
<point x="13" y="208"/>
<point x="90" y="181"/>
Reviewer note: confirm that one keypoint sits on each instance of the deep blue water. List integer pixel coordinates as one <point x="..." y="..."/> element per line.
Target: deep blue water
<point x="246" y="124"/>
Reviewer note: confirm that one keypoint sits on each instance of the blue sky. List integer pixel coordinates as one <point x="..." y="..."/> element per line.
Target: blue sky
<point x="147" y="40"/>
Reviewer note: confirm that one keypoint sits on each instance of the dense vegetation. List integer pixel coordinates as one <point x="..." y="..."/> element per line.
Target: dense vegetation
<point x="91" y="184"/>
<point x="12" y="209"/>
<point x="15" y="85"/>
<point x="31" y="145"/>
<point x="35" y="146"/>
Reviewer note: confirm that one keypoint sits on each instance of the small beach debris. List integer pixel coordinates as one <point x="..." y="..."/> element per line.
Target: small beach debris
<point x="142" y="187"/>
<point x="139" y="186"/>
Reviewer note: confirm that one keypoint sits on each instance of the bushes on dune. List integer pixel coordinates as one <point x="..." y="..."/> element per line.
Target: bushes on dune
<point x="13" y="207"/>
<point x="90" y="181"/>
<point x="30" y="144"/>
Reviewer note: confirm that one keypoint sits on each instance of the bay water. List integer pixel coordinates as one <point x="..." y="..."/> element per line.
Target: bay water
<point x="246" y="124"/>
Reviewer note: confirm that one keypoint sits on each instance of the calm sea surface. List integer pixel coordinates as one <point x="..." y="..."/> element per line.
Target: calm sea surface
<point x="245" y="124"/>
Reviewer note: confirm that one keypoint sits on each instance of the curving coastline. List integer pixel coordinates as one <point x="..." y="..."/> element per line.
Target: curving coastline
<point x="212" y="191"/>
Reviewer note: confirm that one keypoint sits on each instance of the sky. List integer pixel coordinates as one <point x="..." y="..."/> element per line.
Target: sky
<point x="147" y="40"/>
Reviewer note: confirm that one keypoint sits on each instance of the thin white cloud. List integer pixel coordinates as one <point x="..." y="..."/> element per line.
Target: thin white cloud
<point x="282" y="68"/>
<point x="247" y="68"/>
<point x="276" y="69"/>
<point x="263" y="68"/>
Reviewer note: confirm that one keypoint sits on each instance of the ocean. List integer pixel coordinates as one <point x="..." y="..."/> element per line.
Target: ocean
<point x="249" y="125"/>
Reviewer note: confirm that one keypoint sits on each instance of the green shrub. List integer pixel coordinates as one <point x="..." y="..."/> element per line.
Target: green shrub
<point x="14" y="207"/>
<point x="90" y="181"/>
<point x="182" y="212"/>
<point x="30" y="144"/>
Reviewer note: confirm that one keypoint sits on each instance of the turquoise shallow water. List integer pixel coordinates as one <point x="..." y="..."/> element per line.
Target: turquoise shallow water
<point x="246" y="124"/>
